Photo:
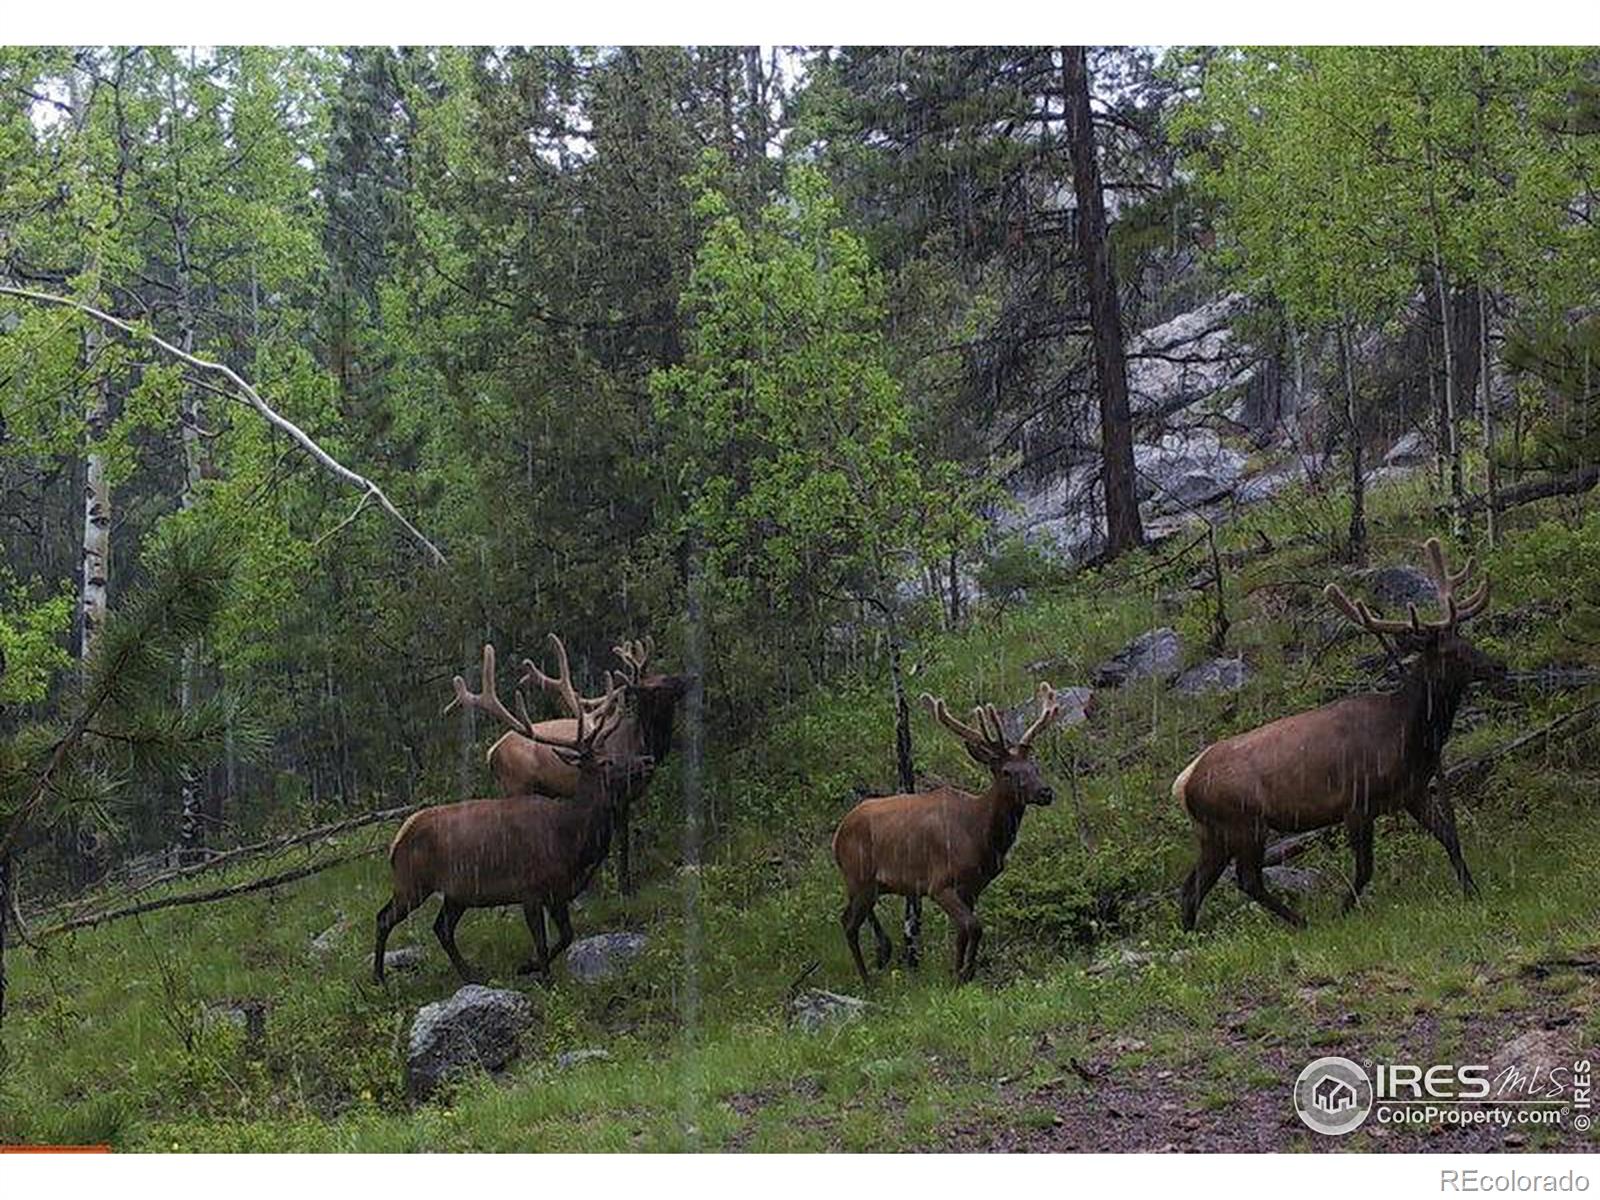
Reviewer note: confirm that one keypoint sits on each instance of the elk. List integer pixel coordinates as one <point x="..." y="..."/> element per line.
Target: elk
<point x="1349" y="761"/>
<point x="529" y="850"/>
<point x="945" y="843"/>
<point x="524" y="764"/>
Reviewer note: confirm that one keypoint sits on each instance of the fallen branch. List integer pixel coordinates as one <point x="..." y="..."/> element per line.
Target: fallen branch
<point x="1571" y="484"/>
<point x="273" y="845"/>
<point x="1575" y="721"/>
<point x="90" y="920"/>
<point x="247" y="395"/>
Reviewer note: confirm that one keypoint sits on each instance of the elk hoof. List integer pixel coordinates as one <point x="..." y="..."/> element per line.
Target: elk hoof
<point x="532" y="967"/>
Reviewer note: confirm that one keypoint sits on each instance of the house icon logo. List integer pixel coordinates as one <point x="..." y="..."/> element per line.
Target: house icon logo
<point x="1333" y="1095"/>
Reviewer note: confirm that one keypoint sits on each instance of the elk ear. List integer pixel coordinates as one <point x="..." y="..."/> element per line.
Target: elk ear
<point x="566" y="754"/>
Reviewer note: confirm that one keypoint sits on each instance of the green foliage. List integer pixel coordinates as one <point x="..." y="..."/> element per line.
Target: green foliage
<point x="30" y="641"/>
<point x="784" y="422"/>
<point x="1013" y="569"/>
<point x="48" y="772"/>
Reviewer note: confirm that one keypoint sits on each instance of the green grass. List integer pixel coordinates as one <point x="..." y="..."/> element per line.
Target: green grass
<point x="106" y="1040"/>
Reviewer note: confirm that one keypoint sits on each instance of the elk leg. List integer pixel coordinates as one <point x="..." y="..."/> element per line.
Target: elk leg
<point x="1435" y="814"/>
<point x="1359" y="828"/>
<point x="444" y="928"/>
<point x="855" y="912"/>
<point x="563" y="921"/>
<point x="390" y="915"/>
<point x="885" y="946"/>
<point x="624" y="877"/>
<point x="1248" y="869"/>
<point x="912" y="927"/>
<point x="533" y="914"/>
<point x="968" y="932"/>
<point x="1207" y="870"/>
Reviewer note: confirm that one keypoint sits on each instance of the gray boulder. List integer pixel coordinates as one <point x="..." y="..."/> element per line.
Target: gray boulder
<point x="1189" y="358"/>
<point x="1268" y="484"/>
<point x="1186" y="469"/>
<point x="478" y="1028"/>
<point x="1400" y="585"/>
<point x="592" y="959"/>
<point x="1213" y="675"/>
<point x="403" y="958"/>
<point x="814" y="1008"/>
<point x="1412" y="450"/>
<point x="1076" y="704"/>
<point x="1154" y="654"/>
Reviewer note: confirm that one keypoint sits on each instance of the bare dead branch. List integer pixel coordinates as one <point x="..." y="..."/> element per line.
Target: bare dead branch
<point x="246" y="395"/>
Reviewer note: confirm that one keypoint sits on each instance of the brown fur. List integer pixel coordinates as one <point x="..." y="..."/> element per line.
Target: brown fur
<point x="946" y="843"/>
<point x="1346" y="762"/>
<point x="529" y="850"/>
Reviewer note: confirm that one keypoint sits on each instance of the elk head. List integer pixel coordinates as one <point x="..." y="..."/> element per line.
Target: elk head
<point x="654" y="697"/>
<point x="597" y="718"/>
<point x="1017" y="778"/>
<point x="1444" y="656"/>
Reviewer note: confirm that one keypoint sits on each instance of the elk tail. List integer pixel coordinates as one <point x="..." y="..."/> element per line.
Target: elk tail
<point x="1180" y="785"/>
<point x="401" y="832"/>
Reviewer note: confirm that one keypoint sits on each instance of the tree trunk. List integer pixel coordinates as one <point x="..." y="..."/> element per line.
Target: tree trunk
<point x="191" y="789"/>
<point x="1358" y="506"/>
<point x="905" y="769"/>
<point x="96" y="568"/>
<point x="1486" y="387"/>
<point x="955" y="591"/>
<point x="5" y="913"/>
<point x="1441" y="422"/>
<point x="1452" y="431"/>
<point x="905" y="777"/>
<point x="1123" y="529"/>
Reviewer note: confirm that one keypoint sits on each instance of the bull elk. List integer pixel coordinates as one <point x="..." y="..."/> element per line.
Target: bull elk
<point x="529" y="850"/>
<point x="946" y="843"/>
<point x="1349" y="761"/>
<point x="523" y="763"/>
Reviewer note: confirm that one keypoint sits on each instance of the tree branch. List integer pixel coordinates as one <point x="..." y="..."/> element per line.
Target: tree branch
<point x="248" y="395"/>
<point x="239" y="889"/>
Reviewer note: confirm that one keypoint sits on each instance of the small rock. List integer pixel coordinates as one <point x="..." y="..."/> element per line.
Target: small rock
<point x="1213" y="675"/>
<point x="1155" y="654"/>
<point x="1293" y="879"/>
<point x="328" y="940"/>
<point x="403" y="958"/>
<point x="814" y="1008"/>
<point x="592" y="959"/>
<point x="1301" y="880"/>
<point x="478" y="1027"/>
<point x="248" y="1016"/>
<point x="568" y="1059"/>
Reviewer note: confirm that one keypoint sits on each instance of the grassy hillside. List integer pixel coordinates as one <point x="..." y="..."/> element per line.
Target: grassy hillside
<point x="1094" y="1022"/>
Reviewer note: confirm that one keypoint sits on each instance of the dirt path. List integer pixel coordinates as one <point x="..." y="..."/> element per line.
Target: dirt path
<point x="1105" y="1105"/>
